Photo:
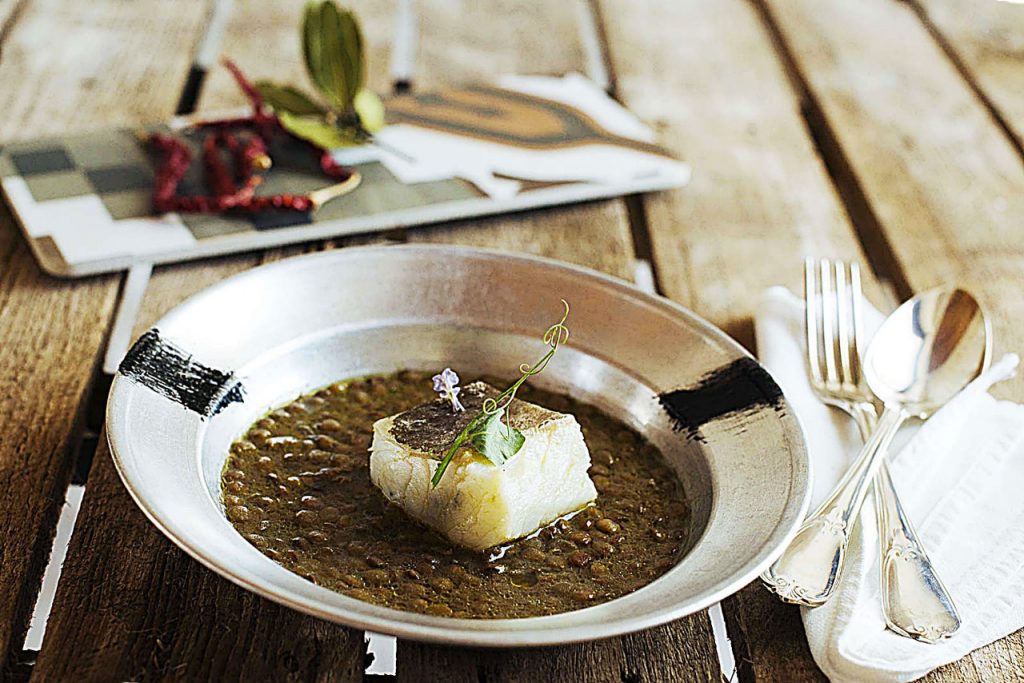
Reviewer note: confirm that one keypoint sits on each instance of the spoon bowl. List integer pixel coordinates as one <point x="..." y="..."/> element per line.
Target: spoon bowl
<point x="929" y="349"/>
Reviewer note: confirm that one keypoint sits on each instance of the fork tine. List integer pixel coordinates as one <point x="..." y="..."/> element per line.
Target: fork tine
<point x="828" y="324"/>
<point x="858" y="320"/>
<point x="811" y="321"/>
<point x="844" y="324"/>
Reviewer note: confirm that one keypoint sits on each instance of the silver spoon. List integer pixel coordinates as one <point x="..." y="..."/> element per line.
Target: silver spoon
<point x="929" y="349"/>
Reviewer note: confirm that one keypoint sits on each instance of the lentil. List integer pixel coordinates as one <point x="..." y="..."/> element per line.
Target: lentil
<point x="332" y="526"/>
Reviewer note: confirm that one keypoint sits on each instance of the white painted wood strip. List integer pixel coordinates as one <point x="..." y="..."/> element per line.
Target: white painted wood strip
<point x="213" y="37"/>
<point x="127" y="312"/>
<point x="44" y="601"/>
<point x="406" y="41"/>
<point x="596" y="66"/>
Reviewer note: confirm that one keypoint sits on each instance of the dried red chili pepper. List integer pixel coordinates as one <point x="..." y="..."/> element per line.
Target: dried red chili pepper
<point x="177" y="158"/>
<point x="331" y="167"/>
<point x="218" y="178"/>
<point x="248" y="157"/>
<point x="288" y="202"/>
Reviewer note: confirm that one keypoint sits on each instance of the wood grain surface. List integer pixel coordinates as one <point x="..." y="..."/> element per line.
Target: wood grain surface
<point x="674" y="652"/>
<point x="987" y="45"/>
<point x="537" y="37"/>
<point x="760" y="200"/>
<point x="53" y="331"/>
<point x="462" y="41"/>
<point x="814" y="127"/>
<point x="945" y="185"/>
<point x="158" y="614"/>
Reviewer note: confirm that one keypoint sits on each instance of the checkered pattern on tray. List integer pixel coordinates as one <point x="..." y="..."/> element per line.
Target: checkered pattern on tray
<point x="88" y="198"/>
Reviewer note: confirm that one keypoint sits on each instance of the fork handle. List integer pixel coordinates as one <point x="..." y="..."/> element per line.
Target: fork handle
<point x="809" y="568"/>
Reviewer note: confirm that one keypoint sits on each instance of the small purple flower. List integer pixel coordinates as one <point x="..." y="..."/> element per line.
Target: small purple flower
<point x="446" y="384"/>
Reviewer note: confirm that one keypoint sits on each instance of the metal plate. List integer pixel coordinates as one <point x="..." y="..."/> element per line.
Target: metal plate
<point x="257" y="340"/>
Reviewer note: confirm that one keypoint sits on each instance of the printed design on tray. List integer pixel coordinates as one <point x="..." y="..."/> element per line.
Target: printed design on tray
<point x="507" y="117"/>
<point x="89" y="197"/>
<point x="83" y="197"/>
<point x="86" y="201"/>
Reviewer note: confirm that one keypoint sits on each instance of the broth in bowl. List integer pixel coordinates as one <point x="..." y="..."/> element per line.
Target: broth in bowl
<point x="297" y="486"/>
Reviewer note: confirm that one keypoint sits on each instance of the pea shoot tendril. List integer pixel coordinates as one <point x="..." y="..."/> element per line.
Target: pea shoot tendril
<point x="486" y="432"/>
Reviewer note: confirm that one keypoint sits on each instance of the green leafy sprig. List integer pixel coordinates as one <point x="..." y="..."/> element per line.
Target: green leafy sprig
<point x="486" y="433"/>
<point x="343" y="113"/>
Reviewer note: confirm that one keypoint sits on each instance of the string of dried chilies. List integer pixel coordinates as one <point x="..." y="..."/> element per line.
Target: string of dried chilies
<point x="246" y="140"/>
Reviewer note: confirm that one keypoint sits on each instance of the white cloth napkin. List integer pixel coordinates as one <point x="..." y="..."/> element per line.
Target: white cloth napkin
<point x="960" y="476"/>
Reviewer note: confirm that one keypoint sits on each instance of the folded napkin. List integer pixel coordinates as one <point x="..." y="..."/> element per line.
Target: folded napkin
<point x="960" y="477"/>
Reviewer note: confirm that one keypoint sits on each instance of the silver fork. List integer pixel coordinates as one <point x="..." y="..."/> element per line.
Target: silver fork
<point x="914" y="601"/>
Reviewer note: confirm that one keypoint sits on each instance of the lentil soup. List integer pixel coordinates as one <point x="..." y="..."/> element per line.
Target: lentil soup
<point x="297" y="487"/>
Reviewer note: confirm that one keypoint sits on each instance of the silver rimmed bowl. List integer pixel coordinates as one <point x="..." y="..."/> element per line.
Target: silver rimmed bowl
<point x="219" y="361"/>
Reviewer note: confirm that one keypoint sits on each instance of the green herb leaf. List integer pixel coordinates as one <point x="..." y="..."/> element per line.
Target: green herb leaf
<point x="487" y="435"/>
<point x="286" y="98"/>
<point x="370" y="110"/>
<point x="338" y="89"/>
<point x="494" y="439"/>
<point x="351" y="39"/>
<point x="333" y="48"/>
<point x="314" y="130"/>
<point x="312" y="50"/>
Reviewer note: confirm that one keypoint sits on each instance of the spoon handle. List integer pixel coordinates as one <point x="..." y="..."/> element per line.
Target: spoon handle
<point x="807" y="572"/>
<point x="914" y="601"/>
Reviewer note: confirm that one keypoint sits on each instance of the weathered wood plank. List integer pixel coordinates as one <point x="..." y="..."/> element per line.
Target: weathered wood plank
<point x="51" y="334"/>
<point x="988" y="44"/>
<point x="158" y="613"/>
<point x="945" y="185"/>
<point x="78" y="66"/>
<point x="760" y="200"/>
<point x="131" y="606"/>
<point x="53" y="331"/>
<point x="536" y="37"/>
<point x="666" y="653"/>
<point x="466" y="41"/>
<point x="593" y="235"/>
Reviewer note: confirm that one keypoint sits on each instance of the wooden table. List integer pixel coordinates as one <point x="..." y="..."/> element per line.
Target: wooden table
<point x="879" y="130"/>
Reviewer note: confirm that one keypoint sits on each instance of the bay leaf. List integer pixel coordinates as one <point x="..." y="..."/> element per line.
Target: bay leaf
<point x="318" y="132"/>
<point x="352" y="49"/>
<point x="312" y="51"/>
<point x="287" y="98"/>
<point x="334" y="58"/>
<point x="370" y="109"/>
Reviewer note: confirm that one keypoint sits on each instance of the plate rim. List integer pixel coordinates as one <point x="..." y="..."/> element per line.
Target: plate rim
<point x="442" y="632"/>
